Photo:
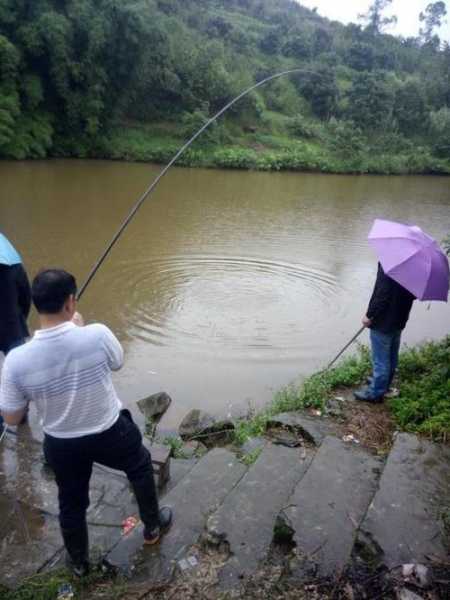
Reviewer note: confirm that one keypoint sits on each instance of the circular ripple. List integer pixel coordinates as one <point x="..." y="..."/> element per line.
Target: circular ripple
<point x="219" y="302"/>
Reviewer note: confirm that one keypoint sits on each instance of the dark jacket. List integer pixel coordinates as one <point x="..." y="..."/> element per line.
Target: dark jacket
<point x="390" y="304"/>
<point x="15" y="303"/>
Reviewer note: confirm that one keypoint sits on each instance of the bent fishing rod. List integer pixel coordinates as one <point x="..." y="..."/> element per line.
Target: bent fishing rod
<point x="163" y="172"/>
<point x="156" y="181"/>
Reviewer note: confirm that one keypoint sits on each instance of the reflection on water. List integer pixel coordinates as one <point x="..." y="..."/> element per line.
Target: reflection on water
<point x="227" y="285"/>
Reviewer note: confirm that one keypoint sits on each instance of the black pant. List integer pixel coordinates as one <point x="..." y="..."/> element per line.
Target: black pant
<point x="120" y="447"/>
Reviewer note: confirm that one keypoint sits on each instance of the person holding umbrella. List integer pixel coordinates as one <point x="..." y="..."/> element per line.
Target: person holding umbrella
<point x="15" y="300"/>
<point x="411" y="265"/>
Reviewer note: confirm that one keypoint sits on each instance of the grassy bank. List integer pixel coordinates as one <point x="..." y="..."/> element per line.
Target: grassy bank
<point x="323" y="151"/>
<point x="423" y="405"/>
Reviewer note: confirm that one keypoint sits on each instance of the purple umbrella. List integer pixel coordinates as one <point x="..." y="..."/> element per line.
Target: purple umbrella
<point x="412" y="258"/>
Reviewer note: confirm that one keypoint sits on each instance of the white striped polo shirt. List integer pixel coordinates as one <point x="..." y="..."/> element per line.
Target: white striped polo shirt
<point x="66" y="371"/>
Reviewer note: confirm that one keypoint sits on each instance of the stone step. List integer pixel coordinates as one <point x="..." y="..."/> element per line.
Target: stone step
<point x="327" y="507"/>
<point x="246" y="519"/>
<point x="29" y="509"/>
<point x="311" y="429"/>
<point x="198" y="494"/>
<point x="405" y="522"/>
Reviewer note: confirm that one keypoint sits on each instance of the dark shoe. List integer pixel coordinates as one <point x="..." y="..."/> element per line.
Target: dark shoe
<point x="76" y="542"/>
<point x="364" y="395"/>
<point x="78" y="569"/>
<point x="165" y="521"/>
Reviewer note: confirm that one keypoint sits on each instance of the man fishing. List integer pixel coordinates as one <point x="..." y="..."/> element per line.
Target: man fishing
<point x="15" y="300"/>
<point x="386" y="316"/>
<point x="66" y="370"/>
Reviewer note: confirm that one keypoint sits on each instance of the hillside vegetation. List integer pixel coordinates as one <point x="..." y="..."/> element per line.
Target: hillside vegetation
<point x="132" y="79"/>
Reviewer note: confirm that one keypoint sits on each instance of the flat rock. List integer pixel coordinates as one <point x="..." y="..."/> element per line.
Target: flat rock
<point x="193" y="449"/>
<point x="312" y="429"/>
<point x="328" y="505"/>
<point x="30" y="539"/>
<point x="198" y="494"/>
<point x="247" y="517"/>
<point x="154" y="406"/>
<point x="253" y="444"/>
<point x="200" y="423"/>
<point x="404" y="522"/>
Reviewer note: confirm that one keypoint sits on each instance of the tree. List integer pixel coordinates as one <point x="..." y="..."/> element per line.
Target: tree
<point x="432" y="19"/>
<point x="272" y="41"/>
<point x="361" y="56"/>
<point x="440" y="132"/>
<point x="320" y="88"/>
<point x="374" y="18"/>
<point x="410" y="109"/>
<point x="322" y="41"/>
<point x="370" y="101"/>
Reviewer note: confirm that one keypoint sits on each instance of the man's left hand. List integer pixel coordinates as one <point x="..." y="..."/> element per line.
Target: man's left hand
<point x="78" y="319"/>
<point x="366" y="321"/>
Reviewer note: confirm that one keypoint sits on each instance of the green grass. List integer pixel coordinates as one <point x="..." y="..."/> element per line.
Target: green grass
<point x="312" y="393"/>
<point x="424" y="402"/>
<point x="45" y="586"/>
<point x="269" y="149"/>
<point x="250" y="458"/>
<point x="423" y="405"/>
<point x="175" y="444"/>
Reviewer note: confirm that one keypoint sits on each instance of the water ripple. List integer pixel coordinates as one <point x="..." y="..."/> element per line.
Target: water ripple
<point x="214" y="303"/>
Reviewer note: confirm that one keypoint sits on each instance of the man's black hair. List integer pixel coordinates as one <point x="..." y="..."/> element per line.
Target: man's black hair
<point x="51" y="288"/>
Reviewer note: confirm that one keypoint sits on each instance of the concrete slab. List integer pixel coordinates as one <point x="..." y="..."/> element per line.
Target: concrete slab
<point x="30" y="539"/>
<point x="404" y="522"/>
<point x="247" y="517"/>
<point x="198" y="494"/>
<point x="312" y="429"/>
<point x="327" y="507"/>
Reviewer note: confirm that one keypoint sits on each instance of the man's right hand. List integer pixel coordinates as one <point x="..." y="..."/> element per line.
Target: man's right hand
<point x="366" y="321"/>
<point x="78" y="320"/>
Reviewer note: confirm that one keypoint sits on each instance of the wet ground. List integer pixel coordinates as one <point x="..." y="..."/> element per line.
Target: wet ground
<point x="30" y="540"/>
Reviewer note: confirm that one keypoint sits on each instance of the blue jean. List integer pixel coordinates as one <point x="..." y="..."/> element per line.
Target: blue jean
<point x="385" y="349"/>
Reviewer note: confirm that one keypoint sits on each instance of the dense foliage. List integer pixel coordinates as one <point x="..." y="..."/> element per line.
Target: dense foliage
<point x="131" y="78"/>
<point x="424" y="401"/>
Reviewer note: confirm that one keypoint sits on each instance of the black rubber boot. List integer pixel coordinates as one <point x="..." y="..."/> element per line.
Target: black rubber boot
<point x="76" y="542"/>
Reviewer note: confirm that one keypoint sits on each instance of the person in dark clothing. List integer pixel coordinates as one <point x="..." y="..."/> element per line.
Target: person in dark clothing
<point x="15" y="304"/>
<point x="386" y="316"/>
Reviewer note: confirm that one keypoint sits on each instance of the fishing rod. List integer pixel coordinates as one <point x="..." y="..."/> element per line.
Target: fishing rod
<point x="155" y="182"/>
<point x="354" y="338"/>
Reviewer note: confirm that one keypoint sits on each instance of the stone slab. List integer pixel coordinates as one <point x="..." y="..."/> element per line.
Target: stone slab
<point x="312" y="429"/>
<point x="30" y="540"/>
<point x="327" y="507"/>
<point x="404" y="522"/>
<point x="247" y="517"/>
<point x="198" y="494"/>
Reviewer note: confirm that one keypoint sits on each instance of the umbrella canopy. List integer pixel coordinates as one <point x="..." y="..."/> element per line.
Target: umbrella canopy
<point x="412" y="258"/>
<point x="8" y="254"/>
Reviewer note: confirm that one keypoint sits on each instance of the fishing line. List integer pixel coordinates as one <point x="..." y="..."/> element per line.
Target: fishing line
<point x="155" y="182"/>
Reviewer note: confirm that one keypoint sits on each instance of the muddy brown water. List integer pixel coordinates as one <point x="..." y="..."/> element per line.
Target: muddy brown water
<point x="228" y="284"/>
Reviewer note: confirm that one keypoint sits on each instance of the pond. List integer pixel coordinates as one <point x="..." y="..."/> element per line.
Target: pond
<point x="227" y="285"/>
